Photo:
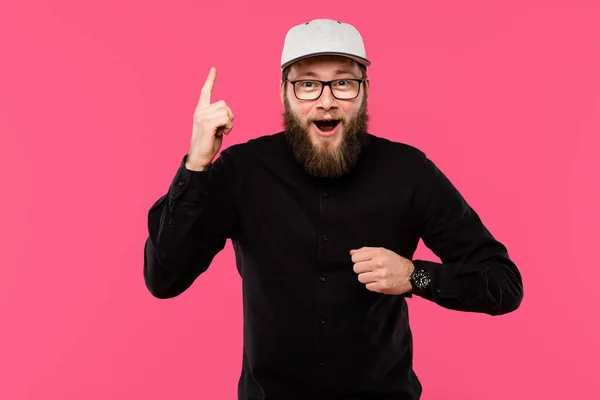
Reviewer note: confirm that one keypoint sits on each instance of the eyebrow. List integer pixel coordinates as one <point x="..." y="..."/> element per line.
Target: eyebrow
<point x="337" y="72"/>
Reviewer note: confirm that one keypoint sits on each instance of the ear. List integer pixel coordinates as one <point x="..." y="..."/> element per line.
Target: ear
<point x="367" y="86"/>
<point x="282" y="92"/>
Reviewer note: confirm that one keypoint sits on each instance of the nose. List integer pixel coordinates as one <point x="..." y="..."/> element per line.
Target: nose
<point x="327" y="101"/>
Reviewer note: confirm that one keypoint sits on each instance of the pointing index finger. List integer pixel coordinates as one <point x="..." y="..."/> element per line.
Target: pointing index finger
<point x="206" y="91"/>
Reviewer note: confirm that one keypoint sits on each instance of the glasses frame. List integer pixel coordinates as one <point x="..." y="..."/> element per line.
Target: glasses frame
<point x="327" y="83"/>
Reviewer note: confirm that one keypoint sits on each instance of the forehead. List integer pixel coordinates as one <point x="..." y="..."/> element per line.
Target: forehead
<point x="325" y="66"/>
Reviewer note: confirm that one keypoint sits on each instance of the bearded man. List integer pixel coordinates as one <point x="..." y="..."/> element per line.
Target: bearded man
<point x="324" y="218"/>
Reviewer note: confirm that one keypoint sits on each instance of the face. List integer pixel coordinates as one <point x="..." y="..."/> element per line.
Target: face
<point x="326" y="134"/>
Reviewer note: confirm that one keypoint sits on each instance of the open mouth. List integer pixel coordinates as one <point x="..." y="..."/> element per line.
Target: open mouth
<point x="327" y="125"/>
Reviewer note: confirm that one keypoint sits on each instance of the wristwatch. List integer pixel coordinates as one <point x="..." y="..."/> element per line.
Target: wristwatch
<point x="420" y="279"/>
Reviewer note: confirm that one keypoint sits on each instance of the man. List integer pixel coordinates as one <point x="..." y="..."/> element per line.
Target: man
<point x="324" y="219"/>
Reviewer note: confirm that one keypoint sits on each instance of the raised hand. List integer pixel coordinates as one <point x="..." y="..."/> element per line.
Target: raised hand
<point x="211" y="121"/>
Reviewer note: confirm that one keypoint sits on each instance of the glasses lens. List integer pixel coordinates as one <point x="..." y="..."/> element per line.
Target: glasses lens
<point x="345" y="89"/>
<point x="308" y="90"/>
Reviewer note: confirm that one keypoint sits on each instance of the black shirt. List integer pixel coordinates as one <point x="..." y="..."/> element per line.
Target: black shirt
<point x="311" y="329"/>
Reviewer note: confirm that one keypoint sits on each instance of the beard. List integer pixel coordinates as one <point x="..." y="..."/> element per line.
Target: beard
<point x="326" y="160"/>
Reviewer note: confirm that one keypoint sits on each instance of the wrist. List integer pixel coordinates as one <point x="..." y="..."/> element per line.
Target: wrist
<point x="411" y="270"/>
<point x="197" y="165"/>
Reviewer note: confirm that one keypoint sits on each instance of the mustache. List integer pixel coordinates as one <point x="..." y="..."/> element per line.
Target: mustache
<point x="340" y="118"/>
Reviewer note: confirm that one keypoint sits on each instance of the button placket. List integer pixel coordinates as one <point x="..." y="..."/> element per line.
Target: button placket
<point x="325" y="204"/>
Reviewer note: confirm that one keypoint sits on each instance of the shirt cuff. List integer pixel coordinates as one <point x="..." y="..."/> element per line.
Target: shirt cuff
<point x="440" y="285"/>
<point x="188" y="185"/>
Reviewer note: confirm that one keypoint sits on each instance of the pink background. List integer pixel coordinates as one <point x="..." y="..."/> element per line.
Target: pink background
<point x="96" y="105"/>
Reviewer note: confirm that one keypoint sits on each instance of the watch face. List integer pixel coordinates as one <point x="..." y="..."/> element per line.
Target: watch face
<point x="421" y="278"/>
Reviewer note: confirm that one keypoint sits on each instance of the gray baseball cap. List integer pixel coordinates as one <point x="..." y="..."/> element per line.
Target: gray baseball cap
<point x="323" y="37"/>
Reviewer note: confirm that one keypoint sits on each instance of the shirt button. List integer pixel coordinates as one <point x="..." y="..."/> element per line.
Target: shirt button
<point x="322" y="322"/>
<point x="322" y="278"/>
<point x="170" y="222"/>
<point x="438" y="290"/>
<point x="325" y="237"/>
<point x="320" y="363"/>
<point x="180" y="183"/>
<point x="325" y="194"/>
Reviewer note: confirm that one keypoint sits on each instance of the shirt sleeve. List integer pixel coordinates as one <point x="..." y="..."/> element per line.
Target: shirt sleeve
<point x="475" y="273"/>
<point x="188" y="226"/>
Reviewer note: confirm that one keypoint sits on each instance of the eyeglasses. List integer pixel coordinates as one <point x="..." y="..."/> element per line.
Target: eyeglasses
<point x="341" y="89"/>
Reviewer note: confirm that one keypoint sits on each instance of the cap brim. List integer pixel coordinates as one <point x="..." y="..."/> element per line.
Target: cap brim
<point x="360" y="60"/>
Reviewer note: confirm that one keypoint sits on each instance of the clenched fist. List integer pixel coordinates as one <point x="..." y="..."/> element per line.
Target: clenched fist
<point x="382" y="270"/>
<point x="211" y="121"/>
